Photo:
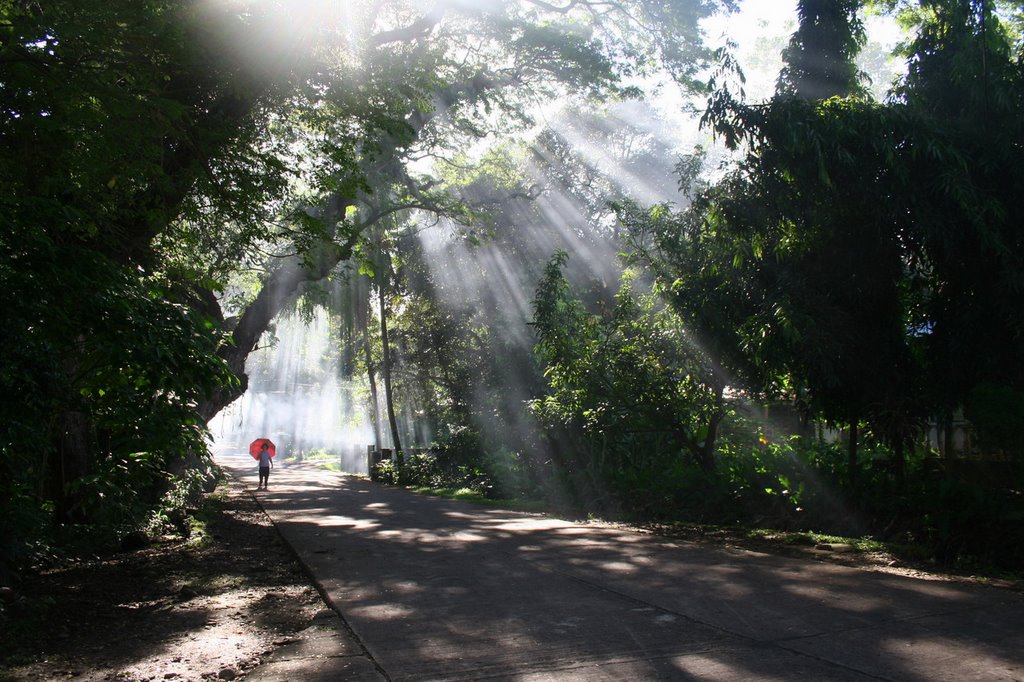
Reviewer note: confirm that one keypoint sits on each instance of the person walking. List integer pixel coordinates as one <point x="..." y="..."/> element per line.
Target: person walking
<point x="266" y="462"/>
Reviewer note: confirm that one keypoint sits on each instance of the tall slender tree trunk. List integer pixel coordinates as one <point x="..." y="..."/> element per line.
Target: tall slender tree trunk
<point x="386" y="372"/>
<point x="374" y="411"/>
<point x="852" y="466"/>
<point x="73" y="463"/>
<point x="947" y="445"/>
<point x="900" y="465"/>
<point x="361" y="306"/>
<point x="71" y="438"/>
<point x="705" y="451"/>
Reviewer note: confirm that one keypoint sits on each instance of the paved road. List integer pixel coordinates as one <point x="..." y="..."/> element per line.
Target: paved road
<point x="440" y="590"/>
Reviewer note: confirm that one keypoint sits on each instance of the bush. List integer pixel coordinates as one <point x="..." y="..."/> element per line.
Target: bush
<point x="183" y="498"/>
<point x="385" y="471"/>
<point x="789" y="484"/>
<point x="420" y="470"/>
<point x="509" y="474"/>
<point x="433" y="470"/>
<point x="963" y="522"/>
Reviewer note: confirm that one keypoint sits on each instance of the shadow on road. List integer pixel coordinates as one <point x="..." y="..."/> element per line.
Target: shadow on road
<point x="440" y="589"/>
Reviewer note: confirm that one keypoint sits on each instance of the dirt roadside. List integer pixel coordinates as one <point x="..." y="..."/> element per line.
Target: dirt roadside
<point x="212" y="609"/>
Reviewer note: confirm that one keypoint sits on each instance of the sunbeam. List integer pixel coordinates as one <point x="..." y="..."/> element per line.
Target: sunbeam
<point x="297" y="399"/>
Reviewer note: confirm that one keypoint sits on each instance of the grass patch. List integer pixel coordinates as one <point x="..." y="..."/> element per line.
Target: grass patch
<point x="868" y="550"/>
<point x="812" y="539"/>
<point x="199" y="536"/>
<point x="470" y="495"/>
<point x="910" y="554"/>
<point x="318" y="454"/>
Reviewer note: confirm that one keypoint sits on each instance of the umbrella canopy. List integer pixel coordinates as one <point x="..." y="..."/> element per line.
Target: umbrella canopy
<point x="257" y="445"/>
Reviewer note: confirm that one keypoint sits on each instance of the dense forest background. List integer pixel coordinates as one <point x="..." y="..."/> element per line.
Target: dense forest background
<point x="815" y="324"/>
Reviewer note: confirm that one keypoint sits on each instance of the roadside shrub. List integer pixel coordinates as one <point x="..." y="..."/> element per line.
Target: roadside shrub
<point x="963" y="522"/>
<point x="510" y="474"/>
<point x="421" y="470"/>
<point x="461" y="460"/>
<point x="24" y="532"/>
<point x="183" y="498"/>
<point x="385" y="471"/>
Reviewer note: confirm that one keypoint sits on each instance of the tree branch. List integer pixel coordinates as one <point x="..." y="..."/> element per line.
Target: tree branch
<point x="420" y="28"/>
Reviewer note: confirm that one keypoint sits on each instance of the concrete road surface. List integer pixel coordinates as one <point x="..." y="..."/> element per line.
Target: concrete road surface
<point x="430" y="589"/>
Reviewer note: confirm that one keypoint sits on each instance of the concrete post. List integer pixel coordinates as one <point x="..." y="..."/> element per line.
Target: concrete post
<point x="371" y="459"/>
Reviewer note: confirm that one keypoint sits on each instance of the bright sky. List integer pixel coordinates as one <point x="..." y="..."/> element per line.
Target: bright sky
<point x="760" y="31"/>
<point x="756" y="17"/>
<point x="760" y="23"/>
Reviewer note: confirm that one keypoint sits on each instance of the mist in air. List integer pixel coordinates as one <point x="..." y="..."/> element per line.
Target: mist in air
<point x="300" y="395"/>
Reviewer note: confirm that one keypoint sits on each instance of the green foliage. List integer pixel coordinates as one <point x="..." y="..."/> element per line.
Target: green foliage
<point x="847" y="265"/>
<point x="997" y="414"/>
<point x="466" y="459"/>
<point x="963" y="521"/>
<point x="141" y="364"/>
<point x="418" y="469"/>
<point x="432" y="470"/>
<point x="385" y="471"/>
<point x="569" y="52"/>
<point x="510" y="474"/>
<point x="820" y="58"/>
<point x="802" y="485"/>
<point x="115" y="120"/>
<point x="821" y="272"/>
<point x="631" y="392"/>
<point x="461" y="460"/>
<point x="859" y="246"/>
<point x="181" y="501"/>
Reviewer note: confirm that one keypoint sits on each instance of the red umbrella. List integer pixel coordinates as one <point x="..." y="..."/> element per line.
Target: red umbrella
<point x="257" y="445"/>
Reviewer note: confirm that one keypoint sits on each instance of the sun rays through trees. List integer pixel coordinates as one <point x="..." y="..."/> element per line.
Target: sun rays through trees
<point x="542" y="249"/>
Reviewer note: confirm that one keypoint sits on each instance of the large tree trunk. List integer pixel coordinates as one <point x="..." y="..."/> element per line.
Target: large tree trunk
<point x="283" y="285"/>
<point x="900" y="465"/>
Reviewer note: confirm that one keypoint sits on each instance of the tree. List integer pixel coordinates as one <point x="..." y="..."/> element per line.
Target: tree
<point x="165" y="149"/>
<point x="432" y="96"/>
<point x="785" y="268"/>
<point x="114" y="123"/>
<point x="635" y="386"/>
<point x="820" y="58"/>
<point x="834" y="236"/>
<point x="964" y="69"/>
